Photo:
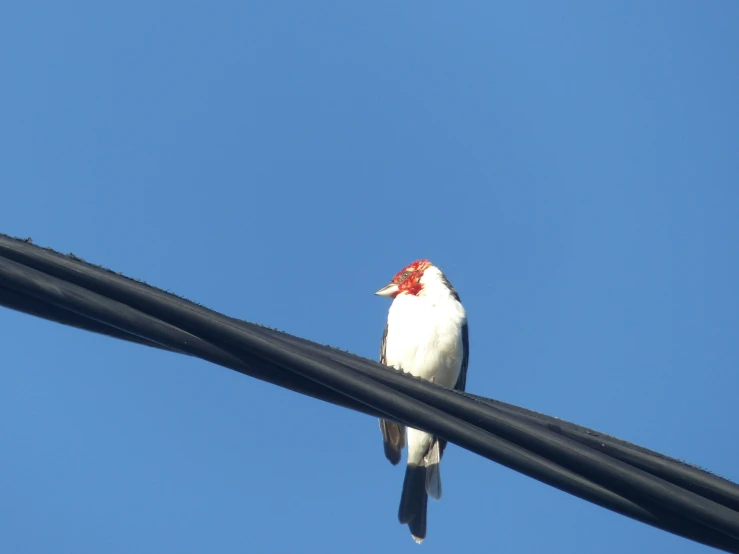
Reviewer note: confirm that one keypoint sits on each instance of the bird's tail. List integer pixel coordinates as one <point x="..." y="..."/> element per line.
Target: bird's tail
<point x="413" y="501"/>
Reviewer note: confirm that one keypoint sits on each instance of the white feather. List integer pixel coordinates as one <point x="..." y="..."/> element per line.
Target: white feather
<point x="433" y="471"/>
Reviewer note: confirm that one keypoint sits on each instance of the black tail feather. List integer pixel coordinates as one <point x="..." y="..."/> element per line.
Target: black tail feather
<point x="413" y="501"/>
<point x="417" y="525"/>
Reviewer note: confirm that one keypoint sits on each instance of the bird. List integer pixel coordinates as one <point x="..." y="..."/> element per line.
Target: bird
<point x="426" y="335"/>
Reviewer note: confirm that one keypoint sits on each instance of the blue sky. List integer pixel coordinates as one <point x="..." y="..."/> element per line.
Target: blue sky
<point x="572" y="168"/>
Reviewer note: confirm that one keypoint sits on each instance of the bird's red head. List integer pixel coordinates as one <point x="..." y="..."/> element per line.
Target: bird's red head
<point x="407" y="280"/>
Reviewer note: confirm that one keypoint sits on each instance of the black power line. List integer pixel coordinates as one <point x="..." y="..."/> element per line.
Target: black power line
<point x="625" y="478"/>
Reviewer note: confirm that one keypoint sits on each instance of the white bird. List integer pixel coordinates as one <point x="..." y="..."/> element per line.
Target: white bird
<point x="426" y="335"/>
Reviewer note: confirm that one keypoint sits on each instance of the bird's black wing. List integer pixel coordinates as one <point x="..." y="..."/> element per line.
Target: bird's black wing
<point x="393" y="434"/>
<point x="462" y="380"/>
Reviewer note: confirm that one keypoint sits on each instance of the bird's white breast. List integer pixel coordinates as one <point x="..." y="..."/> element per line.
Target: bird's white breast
<point x="424" y="337"/>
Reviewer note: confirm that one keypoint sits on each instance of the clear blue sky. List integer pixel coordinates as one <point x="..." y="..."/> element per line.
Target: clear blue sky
<point x="572" y="168"/>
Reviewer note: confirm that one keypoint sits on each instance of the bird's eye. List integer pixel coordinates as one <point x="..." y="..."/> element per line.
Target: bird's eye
<point x="405" y="275"/>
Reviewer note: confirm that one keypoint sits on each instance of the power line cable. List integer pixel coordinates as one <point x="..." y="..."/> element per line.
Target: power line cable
<point x="617" y="475"/>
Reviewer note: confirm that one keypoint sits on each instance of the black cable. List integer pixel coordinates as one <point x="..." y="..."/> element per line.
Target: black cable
<point x="57" y="292"/>
<point x="625" y="478"/>
<point x="690" y="477"/>
<point x="709" y="485"/>
<point x="68" y="303"/>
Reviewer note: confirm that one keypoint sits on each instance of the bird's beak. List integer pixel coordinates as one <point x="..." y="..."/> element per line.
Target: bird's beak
<point x="388" y="290"/>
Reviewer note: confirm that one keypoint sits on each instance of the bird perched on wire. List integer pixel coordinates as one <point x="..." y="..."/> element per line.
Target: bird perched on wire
<point x="426" y="335"/>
